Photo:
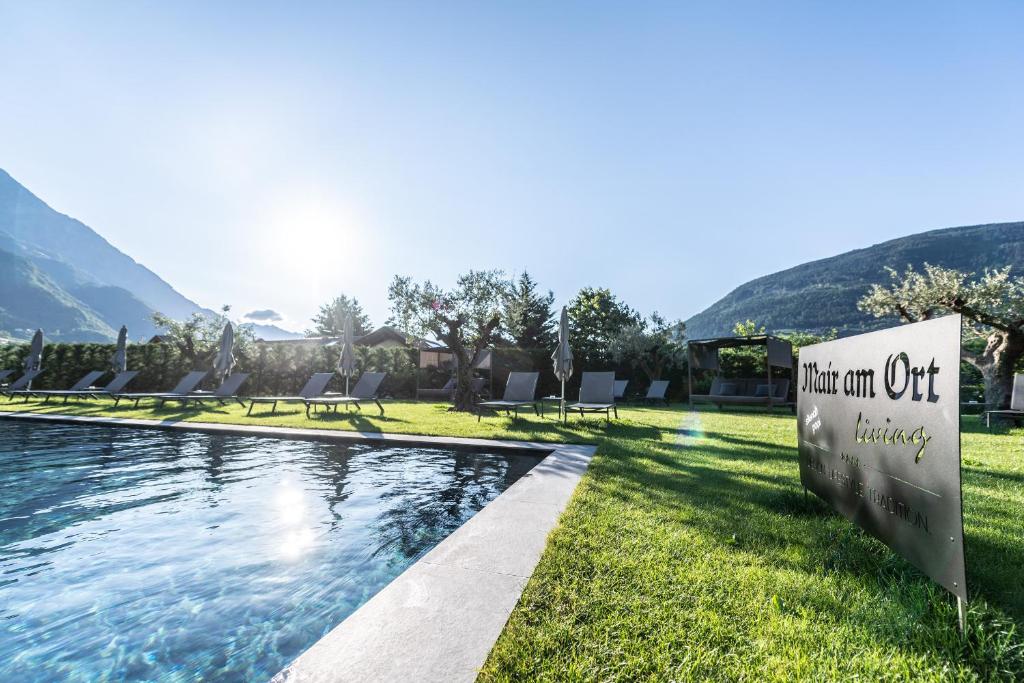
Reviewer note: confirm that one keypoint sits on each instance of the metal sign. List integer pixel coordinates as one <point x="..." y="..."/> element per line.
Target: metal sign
<point x="879" y="439"/>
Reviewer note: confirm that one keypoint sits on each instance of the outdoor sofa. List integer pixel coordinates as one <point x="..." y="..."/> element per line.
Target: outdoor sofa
<point x="520" y="392"/>
<point x="746" y="392"/>
<point x="366" y="389"/>
<point x="597" y="395"/>
<point x="314" y="387"/>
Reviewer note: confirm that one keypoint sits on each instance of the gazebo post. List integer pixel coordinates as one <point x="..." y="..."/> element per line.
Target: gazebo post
<point x="689" y="375"/>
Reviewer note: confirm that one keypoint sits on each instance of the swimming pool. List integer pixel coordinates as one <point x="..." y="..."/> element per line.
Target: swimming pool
<point x="146" y="554"/>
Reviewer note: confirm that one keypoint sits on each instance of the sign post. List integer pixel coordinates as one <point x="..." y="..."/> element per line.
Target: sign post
<point x="879" y="440"/>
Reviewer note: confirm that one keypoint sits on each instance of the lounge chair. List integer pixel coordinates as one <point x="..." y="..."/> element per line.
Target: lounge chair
<point x="314" y="387"/>
<point x="620" y="389"/>
<point x="227" y="391"/>
<point x="4" y="374"/>
<point x="447" y="392"/>
<point x="116" y="386"/>
<point x="520" y="392"/>
<point x="366" y="389"/>
<point x="597" y="395"/>
<point x="443" y="394"/>
<point x="1016" y="411"/>
<point x="657" y="391"/>
<point x="81" y="385"/>
<point x="21" y="382"/>
<point x="187" y="385"/>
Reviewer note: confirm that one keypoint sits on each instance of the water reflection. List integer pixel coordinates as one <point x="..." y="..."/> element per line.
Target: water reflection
<point x="170" y="555"/>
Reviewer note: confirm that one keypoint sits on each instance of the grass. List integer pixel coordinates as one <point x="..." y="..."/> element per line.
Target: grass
<point x="689" y="552"/>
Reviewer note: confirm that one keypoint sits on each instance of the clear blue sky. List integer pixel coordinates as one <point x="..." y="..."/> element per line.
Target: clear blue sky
<point x="270" y="156"/>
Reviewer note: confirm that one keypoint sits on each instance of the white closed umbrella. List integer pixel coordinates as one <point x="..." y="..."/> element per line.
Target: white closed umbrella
<point x="347" y="361"/>
<point x="225" y="359"/>
<point x="562" y="357"/>
<point x="119" y="361"/>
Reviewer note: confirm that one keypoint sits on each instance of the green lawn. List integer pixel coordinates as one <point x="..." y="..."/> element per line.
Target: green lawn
<point x="688" y="552"/>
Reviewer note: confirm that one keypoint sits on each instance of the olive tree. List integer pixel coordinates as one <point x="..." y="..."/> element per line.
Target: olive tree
<point x="653" y="346"/>
<point x="993" y="305"/>
<point x="467" y="318"/>
<point x="197" y="338"/>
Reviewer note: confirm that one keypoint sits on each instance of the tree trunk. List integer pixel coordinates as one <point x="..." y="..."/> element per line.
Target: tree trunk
<point x="463" y="398"/>
<point x="996" y="363"/>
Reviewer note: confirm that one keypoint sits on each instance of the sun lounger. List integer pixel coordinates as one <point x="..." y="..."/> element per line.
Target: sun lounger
<point x="81" y="385"/>
<point x="4" y="374"/>
<point x="21" y="382"/>
<point x="314" y="387"/>
<point x="443" y="394"/>
<point x="366" y="389"/>
<point x="520" y="392"/>
<point x="116" y="386"/>
<point x="227" y="391"/>
<point x="187" y="385"/>
<point x="620" y="389"/>
<point x="1016" y="411"/>
<point x="657" y="391"/>
<point x="597" y="395"/>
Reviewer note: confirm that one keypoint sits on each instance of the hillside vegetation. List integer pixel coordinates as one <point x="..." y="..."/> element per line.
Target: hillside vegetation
<point x="821" y="295"/>
<point x="60" y="275"/>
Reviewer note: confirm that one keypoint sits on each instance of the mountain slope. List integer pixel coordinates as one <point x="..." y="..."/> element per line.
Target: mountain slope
<point x="820" y="295"/>
<point x="62" y="276"/>
<point x="29" y="299"/>
<point x="29" y="220"/>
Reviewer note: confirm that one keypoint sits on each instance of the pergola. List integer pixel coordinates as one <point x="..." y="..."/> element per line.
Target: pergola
<point x="703" y="354"/>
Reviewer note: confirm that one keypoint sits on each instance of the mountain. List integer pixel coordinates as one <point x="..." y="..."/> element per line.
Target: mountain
<point x="821" y="295"/>
<point x="271" y="332"/>
<point x="61" y="275"/>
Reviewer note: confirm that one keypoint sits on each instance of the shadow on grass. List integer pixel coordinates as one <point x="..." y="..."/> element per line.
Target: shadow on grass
<point x="746" y="508"/>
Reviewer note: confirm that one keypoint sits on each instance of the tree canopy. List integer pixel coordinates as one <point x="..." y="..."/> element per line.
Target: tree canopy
<point x="596" y="319"/>
<point x="993" y="304"/>
<point x="654" y="345"/>
<point x="330" y="320"/>
<point x="197" y="338"/>
<point x="466" y="318"/>
<point x="528" y="317"/>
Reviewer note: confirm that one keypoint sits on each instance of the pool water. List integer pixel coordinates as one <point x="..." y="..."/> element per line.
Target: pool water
<point x="130" y="554"/>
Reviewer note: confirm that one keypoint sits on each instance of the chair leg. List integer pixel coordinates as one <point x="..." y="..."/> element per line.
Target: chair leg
<point x="249" y="412"/>
<point x="616" y="410"/>
<point x="307" y="411"/>
<point x="379" y="406"/>
<point x="273" y="407"/>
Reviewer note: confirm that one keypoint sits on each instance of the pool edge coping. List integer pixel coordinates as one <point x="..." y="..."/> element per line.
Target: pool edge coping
<point x="439" y="619"/>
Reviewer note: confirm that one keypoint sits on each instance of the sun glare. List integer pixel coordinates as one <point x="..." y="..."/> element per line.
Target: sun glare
<point x="312" y="240"/>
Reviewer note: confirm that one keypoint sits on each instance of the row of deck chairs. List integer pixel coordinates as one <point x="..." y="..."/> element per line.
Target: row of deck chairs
<point x="597" y="395"/>
<point x="185" y="392"/>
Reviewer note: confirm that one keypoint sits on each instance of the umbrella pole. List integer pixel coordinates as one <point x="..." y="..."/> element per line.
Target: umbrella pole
<point x="561" y="404"/>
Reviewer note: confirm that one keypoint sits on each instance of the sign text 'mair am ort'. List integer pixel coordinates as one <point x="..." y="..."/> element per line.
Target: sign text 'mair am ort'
<point x="879" y="434"/>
